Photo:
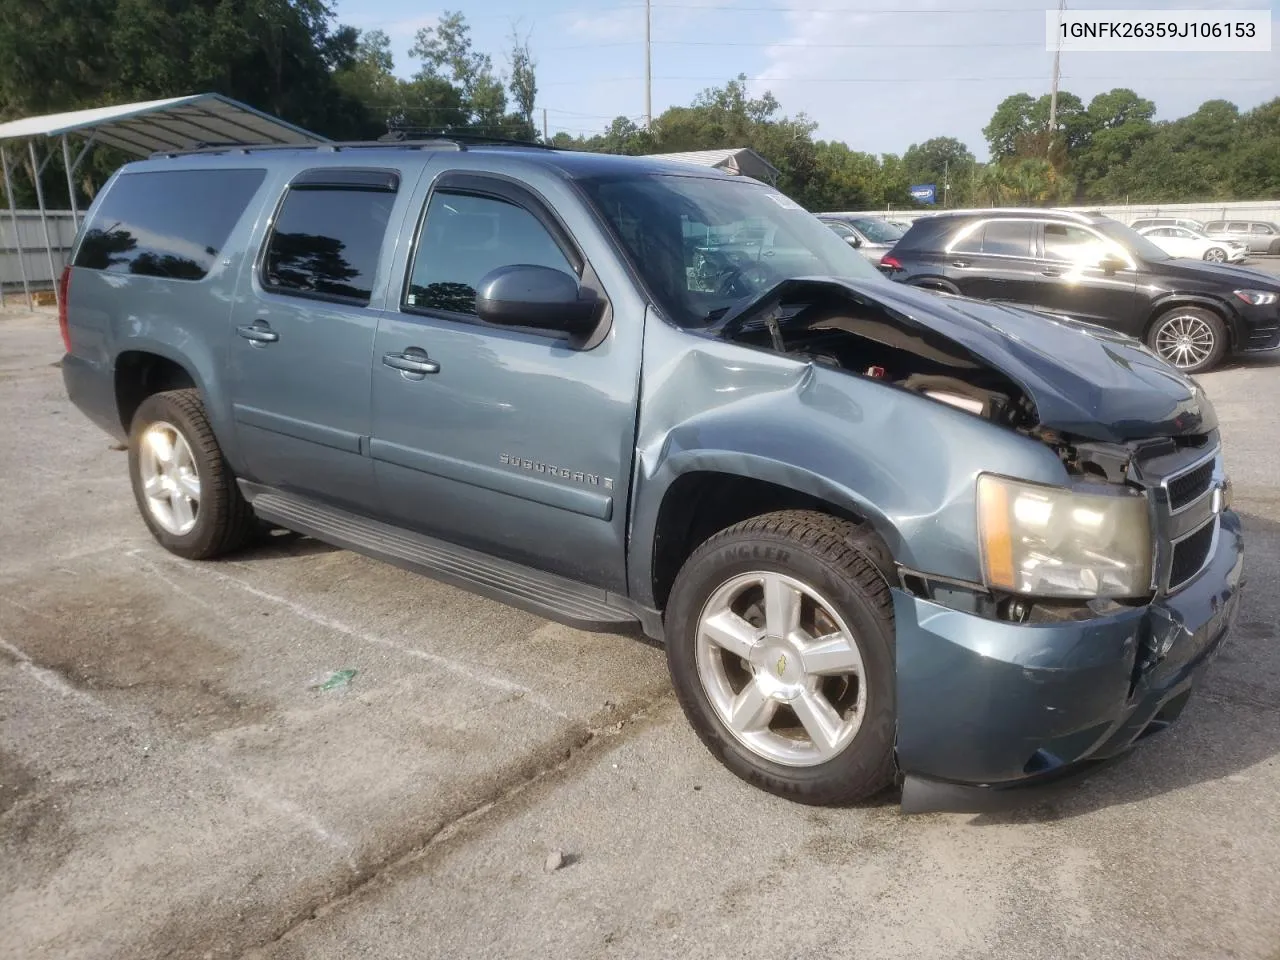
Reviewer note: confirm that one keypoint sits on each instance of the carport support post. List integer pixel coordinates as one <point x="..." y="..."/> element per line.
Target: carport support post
<point x="44" y="220"/>
<point x="13" y="218"/>
<point x="71" y="184"/>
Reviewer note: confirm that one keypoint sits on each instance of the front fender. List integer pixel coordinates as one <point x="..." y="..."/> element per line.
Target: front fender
<point x="906" y="463"/>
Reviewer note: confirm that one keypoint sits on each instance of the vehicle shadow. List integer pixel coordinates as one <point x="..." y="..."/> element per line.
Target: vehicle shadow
<point x="1231" y="723"/>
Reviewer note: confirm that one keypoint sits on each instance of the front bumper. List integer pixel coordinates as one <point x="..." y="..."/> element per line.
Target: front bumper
<point x="1259" y="328"/>
<point x="994" y="705"/>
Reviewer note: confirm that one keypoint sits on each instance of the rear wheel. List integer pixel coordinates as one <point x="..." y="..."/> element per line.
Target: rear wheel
<point x="1189" y="338"/>
<point x="1216" y="255"/>
<point x="780" y="644"/>
<point x="184" y="487"/>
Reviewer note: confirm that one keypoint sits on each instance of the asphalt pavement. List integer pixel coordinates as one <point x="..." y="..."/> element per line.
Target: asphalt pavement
<point x="189" y="769"/>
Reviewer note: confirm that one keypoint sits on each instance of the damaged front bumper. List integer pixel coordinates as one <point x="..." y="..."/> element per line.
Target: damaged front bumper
<point x="985" y="706"/>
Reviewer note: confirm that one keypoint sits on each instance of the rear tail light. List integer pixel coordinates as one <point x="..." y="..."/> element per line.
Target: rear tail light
<point x="64" y="287"/>
<point x="891" y="262"/>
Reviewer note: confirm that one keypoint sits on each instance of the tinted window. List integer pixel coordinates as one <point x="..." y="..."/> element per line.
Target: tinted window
<point x="465" y="237"/>
<point x="167" y="223"/>
<point x="1216" y="225"/>
<point x="326" y="242"/>
<point x="1234" y="227"/>
<point x="1010" y="238"/>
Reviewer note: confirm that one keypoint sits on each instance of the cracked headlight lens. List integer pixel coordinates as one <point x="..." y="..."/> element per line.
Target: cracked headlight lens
<point x="1059" y="542"/>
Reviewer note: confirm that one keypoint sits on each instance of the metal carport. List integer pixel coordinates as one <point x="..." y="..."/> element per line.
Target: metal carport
<point x="739" y="160"/>
<point x="139" y="129"/>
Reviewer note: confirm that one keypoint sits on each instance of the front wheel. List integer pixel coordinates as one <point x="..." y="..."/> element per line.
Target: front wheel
<point x="1216" y="255"/>
<point x="1189" y="338"/>
<point x="780" y="645"/>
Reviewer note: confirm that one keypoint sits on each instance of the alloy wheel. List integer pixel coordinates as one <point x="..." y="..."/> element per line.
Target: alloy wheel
<point x="781" y="669"/>
<point x="1185" y="341"/>
<point x="170" y="481"/>
<point x="1215" y="255"/>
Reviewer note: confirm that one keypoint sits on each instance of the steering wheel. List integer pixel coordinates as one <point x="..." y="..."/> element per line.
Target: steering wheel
<point x="735" y="281"/>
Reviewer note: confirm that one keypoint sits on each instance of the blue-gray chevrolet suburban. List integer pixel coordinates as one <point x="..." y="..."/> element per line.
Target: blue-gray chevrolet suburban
<point x="885" y="534"/>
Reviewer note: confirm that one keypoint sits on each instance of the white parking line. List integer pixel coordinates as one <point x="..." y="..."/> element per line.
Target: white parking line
<point x="42" y="675"/>
<point x="458" y="667"/>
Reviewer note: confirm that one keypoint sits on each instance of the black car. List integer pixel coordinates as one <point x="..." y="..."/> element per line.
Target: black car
<point x="1095" y="269"/>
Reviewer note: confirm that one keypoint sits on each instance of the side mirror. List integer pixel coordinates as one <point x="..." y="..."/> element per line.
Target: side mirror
<point x="854" y="242"/>
<point x="525" y="295"/>
<point x="1111" y="265"/>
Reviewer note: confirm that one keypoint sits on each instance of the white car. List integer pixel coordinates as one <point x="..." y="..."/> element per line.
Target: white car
<point x="1181" y="242"/>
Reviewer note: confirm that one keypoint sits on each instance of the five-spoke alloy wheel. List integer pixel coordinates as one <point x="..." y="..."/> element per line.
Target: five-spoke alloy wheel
<point x="780" y="643"/>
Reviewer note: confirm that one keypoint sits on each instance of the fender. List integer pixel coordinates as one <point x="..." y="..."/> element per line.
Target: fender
<point x="1218" y="305"/>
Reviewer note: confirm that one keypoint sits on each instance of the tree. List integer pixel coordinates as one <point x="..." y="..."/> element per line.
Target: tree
<point x="523" y="83"/>
<point x="935" y="160"/>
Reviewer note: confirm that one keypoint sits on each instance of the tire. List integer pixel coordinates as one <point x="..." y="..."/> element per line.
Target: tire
<point x="1190" y="338"/>
<point x="1215" y="255"/>
<point x="817" y="556"/>
<point x="217" y="520"/>
<point x="1274" y="249"/>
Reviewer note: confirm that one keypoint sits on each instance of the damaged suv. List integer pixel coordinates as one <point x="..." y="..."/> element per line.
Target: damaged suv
<point x="883" y="534"/>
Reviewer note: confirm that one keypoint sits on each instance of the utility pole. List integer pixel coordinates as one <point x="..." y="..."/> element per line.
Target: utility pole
<point x="946" y="181"/>
<point x="544" y="126"/>
<point x="1057" y="75"/>
<point x="648" y="64"/>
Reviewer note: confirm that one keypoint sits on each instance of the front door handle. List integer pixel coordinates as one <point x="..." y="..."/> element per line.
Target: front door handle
<point x="258" y="334"/>
<point x="960" y="263"/>
<point x="1050" y="273"/>
<point x="413" y="360"/>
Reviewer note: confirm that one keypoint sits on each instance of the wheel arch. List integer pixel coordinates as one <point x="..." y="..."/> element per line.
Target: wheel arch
<point x="941" y="284"/>
<point x="1204" y="302"/>
<point x="140" y="373"/>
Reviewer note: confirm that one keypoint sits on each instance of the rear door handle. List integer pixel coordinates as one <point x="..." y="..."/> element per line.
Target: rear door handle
<point x="413" y="360"/>
<point x="258" y="333"/>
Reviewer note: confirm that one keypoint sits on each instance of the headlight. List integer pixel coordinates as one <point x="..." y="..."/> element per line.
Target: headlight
<point x="1056" y="542"/>
<point x="1259" y="298"/>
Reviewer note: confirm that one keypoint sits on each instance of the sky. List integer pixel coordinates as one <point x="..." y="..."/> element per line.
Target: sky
<point x="877" y="74"/>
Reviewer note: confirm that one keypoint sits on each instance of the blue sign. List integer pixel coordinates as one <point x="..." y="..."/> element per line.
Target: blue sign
<point x="925" y="192"/>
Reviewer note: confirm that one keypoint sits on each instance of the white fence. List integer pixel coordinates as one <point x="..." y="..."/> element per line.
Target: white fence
<point x="62" y="230"/>
<point x="1125" y="213"/>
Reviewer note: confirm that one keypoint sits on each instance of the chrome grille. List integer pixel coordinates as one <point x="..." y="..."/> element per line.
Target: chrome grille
<point x="1186" y="488"/>
<point x="1191" y="553"/>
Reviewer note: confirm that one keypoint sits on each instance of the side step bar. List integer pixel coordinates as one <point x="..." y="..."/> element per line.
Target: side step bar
<point x="550" y="596"/>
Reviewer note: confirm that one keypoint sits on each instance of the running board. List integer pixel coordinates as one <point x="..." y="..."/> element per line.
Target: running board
<point x="550" y="596"/>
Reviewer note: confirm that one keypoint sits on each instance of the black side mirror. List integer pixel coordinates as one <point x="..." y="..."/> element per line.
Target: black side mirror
<point x="1111" y="265"/>
<point x="525" y="295"/>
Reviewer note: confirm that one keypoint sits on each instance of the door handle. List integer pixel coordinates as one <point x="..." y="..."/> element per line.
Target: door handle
<point x="960" y="263"/>
<point x="258" y="333"/>
<point x="416" y="362"/>
<point x="1050" y="273"/>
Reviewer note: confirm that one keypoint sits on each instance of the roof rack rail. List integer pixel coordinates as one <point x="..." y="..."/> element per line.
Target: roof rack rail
<point x="1035" y="211"/>
<point x="463" y="137"/>
<point x="442" y="141"/>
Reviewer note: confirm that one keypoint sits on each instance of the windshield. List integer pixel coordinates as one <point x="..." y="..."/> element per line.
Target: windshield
<point x="703" y="245"/>
<point x="878" y="231"/>
<point x="1131" y="240"/>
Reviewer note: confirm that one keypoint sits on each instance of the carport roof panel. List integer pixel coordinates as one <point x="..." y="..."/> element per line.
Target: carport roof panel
<point x="178" y="123"/>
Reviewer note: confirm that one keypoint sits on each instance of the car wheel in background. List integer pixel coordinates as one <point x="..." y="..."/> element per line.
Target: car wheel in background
<point x="1190" y="338"/>
<point x="1274" y="249"/>
<point x="183" y="485"/>
<point x="780" y="644"/>
<point x="1215" y="255"/>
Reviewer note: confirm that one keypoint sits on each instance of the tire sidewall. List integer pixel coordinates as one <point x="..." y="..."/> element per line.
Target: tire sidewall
<point x="716" y="563"/>
<point x="198" y="540"/>
<point x="1215" y="322"/>
<point x="1221" y="255"/>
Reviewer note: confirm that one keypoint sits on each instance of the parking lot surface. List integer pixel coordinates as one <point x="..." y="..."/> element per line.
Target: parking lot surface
<point x="186" y="771"/>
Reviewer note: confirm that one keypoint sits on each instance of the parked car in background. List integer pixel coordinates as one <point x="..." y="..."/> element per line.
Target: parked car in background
<point x="881" y="533"/>
<point x="1144" y="222"/>
<point x="1181" y="242"/>
<point x="1093" y="268"/>
<point x="877" y="236"/>
<point x="1261" y="236"/>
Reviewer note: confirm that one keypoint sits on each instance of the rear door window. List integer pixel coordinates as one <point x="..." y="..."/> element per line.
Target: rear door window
<point x="1263" y="229"/>
<point x="167" y="223"/>
<point x="1007" y="238"/>
<point x="327" y="236"/>
<point x="1234" y="227"/>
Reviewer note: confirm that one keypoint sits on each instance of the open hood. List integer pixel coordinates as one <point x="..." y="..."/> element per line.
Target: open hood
<point x="1083" y="379"/>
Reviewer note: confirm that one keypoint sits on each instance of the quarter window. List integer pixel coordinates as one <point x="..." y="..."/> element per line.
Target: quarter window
<point x="326" y="242"/>
<point x="170" y="223"/>
<point x="464" y="237"/>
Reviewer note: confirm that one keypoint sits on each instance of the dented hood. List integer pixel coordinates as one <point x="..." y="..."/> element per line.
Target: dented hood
<point x="1084" y="380"/>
